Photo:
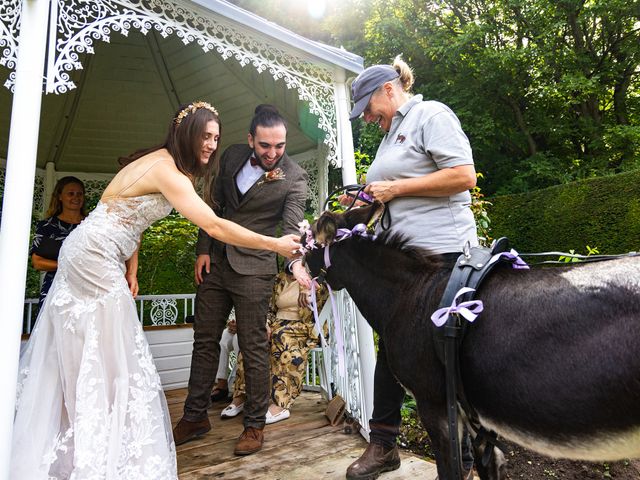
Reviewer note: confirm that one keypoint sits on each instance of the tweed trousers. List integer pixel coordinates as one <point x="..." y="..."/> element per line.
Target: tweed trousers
<point x="221" y="290"/>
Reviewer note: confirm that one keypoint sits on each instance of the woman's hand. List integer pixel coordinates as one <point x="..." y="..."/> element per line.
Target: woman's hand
<point x="304" y="299"/>
<point x="383" y="191"/>
<point x="231" y="326"/>
<point x="287" y="245"/>
<point x="301" y="275"/>
<point x="132" y="281"/>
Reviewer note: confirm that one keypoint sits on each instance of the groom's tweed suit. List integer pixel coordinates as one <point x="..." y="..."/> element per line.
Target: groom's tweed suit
<point x="242" y="278"/>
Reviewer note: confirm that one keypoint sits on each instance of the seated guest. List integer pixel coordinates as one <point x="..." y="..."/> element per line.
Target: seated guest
<point x="66" y="210"/>
<point x="293" y="335"/>
<point x="228" y="344"/>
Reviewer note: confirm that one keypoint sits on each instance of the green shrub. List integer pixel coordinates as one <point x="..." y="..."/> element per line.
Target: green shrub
<point x="167" y="256"/>
<point x="603" y="211"/>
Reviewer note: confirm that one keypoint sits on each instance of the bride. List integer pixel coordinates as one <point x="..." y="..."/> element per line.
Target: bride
<point x="90" y="403"/>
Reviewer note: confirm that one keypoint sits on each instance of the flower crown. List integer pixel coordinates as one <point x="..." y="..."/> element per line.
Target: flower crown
<point x="191" y="108"/>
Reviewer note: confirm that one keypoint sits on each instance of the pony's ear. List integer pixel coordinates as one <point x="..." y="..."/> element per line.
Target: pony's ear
<point x="367" y="215"/>
<point x="325" y="228"/>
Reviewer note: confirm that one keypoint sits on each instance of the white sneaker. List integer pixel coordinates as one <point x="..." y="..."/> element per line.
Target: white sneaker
<point x="283" y="415"/>
<point x="231" y="410"/>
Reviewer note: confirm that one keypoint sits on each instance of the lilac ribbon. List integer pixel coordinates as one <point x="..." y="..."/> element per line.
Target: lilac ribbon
<point x="468" y="310"/>
<point x="513" y="257"/>
<point x="365" y="196"/>
<point x="316" y="317"/>
<point x="344" y="233"/>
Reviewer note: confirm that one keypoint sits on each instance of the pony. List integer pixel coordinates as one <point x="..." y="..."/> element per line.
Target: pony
<point x="551" y="364"/>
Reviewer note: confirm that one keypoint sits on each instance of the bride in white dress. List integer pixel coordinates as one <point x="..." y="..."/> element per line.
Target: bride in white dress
<point x="90" y="403"/>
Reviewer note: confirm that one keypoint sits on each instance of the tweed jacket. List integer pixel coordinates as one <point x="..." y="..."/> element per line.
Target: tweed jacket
<point x="265" y="206"/>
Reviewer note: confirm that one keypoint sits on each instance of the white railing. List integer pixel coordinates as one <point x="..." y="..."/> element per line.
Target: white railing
<point x="153" y="310"/>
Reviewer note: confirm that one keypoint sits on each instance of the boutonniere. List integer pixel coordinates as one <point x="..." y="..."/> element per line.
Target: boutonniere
<point x="272" y="175"/>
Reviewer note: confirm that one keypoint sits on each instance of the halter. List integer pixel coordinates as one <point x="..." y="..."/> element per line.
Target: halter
<point x="356" y="191"/>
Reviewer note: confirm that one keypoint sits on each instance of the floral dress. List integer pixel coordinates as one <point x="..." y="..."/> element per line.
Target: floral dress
<point x="50" y="233"/>
<point x="293" y="335"/>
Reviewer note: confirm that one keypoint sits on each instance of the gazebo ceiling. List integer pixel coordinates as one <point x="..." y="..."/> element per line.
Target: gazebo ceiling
<point x="128" y="90"/>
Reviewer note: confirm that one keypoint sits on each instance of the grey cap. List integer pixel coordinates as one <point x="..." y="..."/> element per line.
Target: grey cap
<point x="369" y="80"/>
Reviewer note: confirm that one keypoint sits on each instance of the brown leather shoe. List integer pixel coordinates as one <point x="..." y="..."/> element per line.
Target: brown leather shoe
<point x="186" y="430"/>
<point x="375" y="460"/>
<point x="250" y="441"/>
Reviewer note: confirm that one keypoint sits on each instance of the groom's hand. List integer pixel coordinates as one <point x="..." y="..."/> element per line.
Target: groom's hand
<point x="202" y="261"/>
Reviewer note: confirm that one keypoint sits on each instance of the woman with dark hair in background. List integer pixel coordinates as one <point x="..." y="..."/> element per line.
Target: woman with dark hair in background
<point x="90" y="401"/>
<point x="66" y="210"/>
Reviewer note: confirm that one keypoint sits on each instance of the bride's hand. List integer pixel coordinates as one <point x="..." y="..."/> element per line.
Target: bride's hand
<point x="132" y="281"/>
<point x="287" y="245"/>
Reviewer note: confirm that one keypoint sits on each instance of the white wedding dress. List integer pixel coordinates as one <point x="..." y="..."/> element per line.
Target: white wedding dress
<point x="90" y="403"/>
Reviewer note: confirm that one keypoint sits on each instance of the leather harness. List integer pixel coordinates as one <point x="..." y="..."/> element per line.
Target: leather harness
<point x="470" y="270"/>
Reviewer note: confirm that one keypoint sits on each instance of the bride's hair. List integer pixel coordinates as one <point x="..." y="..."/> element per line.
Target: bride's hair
<point x="184" y="139"/>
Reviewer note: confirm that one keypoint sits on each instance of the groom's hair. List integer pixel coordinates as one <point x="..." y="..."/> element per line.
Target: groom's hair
<point x="266" y="115"/>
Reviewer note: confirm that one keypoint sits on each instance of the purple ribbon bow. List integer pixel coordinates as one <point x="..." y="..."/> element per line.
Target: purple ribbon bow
<point x="360" y="229"/>
<point x="468" y="310"/>
<point x="513" y="257"/>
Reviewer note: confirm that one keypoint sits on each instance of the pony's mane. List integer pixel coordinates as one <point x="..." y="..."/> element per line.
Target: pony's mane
<point x="399" y="242"/>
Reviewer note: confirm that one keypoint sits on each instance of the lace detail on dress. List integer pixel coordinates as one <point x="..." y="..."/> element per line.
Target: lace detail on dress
<point x="89" y="362"/>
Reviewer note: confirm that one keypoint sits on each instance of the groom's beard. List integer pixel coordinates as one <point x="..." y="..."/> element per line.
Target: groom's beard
<point x="262" y="163"/>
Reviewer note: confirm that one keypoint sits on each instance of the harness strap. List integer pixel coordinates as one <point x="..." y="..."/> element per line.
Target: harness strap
<point x="470" y="270"/>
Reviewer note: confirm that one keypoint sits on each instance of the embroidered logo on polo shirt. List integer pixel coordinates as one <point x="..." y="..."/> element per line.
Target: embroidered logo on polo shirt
<point x="400" y="139"/>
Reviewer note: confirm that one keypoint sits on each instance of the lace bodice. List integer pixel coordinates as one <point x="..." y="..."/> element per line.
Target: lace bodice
<point x="91" y="265"/>
<point x="124" y="219"/>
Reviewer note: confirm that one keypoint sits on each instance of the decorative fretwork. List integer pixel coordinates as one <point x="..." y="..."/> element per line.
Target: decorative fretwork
<point x="164" y="312"/>
<point x="93" y="190"/>
<point x="310" y="164"/>
<point x="79" y="24"/>
<point x="9" y="28"/>
<point x="39" y="202"/>
<point x="348" y="382"/>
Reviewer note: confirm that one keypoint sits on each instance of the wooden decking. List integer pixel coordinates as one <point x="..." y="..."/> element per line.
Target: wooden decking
<point x="303" y="447"/>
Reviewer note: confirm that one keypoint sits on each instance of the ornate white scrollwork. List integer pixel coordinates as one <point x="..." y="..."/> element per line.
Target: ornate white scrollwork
<point x="9" y="28"/>
<point x="164" y="312"/>
<point x="79" y="23"/>
<point x="348" y="383"/>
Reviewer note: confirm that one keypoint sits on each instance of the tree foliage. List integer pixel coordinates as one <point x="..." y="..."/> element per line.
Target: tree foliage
<point x="547" y="90"/>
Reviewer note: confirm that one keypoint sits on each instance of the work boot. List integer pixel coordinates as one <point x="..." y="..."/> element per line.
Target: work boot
<point x="186" y="430"/>
<point x="250" y="441"/>
<point x="375" y="460"/>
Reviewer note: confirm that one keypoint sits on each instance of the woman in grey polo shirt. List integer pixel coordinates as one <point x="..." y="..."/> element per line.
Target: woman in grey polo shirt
<point x="423" y="171"/>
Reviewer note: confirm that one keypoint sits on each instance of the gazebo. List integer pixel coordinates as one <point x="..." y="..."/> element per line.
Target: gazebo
<point x="88" y="81"/>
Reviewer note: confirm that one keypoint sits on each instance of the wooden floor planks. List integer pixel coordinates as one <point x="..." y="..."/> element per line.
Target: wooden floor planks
<point x="303" y="447"/>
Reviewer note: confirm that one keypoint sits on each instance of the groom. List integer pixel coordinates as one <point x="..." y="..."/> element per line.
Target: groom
<point x="260" y="188"/>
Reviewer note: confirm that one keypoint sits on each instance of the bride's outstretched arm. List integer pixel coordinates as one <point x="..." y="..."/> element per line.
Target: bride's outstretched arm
<point x="179" y="191"/>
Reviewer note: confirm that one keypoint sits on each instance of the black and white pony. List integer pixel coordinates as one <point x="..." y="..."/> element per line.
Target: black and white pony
<point x="552" y="363"/>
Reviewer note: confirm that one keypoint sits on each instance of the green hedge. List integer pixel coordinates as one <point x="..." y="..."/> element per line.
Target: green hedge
<point x="601" y="212"/>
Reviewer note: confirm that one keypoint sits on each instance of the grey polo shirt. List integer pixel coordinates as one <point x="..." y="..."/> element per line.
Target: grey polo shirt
<point x="426" y="136"/>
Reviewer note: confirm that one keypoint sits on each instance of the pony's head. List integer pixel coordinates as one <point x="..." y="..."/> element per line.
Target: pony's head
<point x="331" y="227"/>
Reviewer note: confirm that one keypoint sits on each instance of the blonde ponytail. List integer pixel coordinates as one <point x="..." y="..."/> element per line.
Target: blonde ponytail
<point x="406" y="74"/>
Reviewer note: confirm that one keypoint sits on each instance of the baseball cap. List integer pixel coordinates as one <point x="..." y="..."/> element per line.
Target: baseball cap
<point x="369" y="80"/>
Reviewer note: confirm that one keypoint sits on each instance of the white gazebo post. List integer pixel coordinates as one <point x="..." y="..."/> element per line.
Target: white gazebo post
<point x="365" y="334"/>
<point x="18" y="198"/>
